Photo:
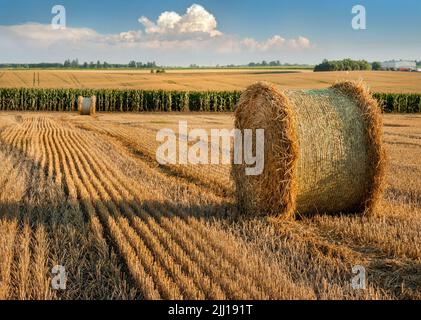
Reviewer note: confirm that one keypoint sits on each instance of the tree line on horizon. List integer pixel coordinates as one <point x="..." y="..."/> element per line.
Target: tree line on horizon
<point x="326" y="65"/>
<point x="74" y="64"/>
<point x="346" y="65"/>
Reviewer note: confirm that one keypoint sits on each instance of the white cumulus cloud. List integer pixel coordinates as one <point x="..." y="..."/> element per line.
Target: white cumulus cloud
<point x="197" y="20"/>
<point x="129" y="36"/>
<point x="45" y="34"/>
<point x="275" y="43"/>
<point x="300" y="43"/>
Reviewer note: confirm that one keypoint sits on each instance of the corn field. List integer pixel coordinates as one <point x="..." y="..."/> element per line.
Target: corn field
<point x="399" y="102"/>
<point x="110" y="100"/>
<point x="120" y="100"/>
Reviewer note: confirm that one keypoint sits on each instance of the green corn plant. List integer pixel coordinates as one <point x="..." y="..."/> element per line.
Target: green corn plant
<point x="119" y="100"/>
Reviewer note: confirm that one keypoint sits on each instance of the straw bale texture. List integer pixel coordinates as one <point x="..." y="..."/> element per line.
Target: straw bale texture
<point x="323" y="150"/>
<point x="87" y="106"/>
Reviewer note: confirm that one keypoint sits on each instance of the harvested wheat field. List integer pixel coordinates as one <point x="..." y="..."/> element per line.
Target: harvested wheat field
<point x="88" y="194"/>
<point x="199" y="80"/>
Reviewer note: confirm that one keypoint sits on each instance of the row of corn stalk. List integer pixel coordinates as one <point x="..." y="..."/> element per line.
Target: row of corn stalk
<point x="38" y="99"/>
<point x="110" y="100"/>
<point x="399" y="102"/>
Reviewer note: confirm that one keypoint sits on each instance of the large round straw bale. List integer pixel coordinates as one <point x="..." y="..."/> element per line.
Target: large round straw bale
<point x="322" y="153"/>
<point x="86" y="106"/>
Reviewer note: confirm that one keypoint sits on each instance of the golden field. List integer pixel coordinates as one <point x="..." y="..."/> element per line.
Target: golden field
<point x="88" y="194"/>
<point x="219" y="79"/>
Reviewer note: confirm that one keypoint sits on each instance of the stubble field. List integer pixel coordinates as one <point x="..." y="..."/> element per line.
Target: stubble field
<point x="219" y="79"/>
<point x="88" y="194"/>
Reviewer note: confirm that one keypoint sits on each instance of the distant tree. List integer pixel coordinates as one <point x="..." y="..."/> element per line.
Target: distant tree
<point x="150" y="65"/>
<point x="343" y="65"/>
<point x="376" y="66"/>
<point x="275" y="63"/>
<point x="324" y="66"/>
<point x="132" y="64"/>
<point x="74" y="63"/>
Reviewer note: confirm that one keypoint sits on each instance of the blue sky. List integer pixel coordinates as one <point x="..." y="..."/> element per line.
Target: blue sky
<point x="234" y="32"/>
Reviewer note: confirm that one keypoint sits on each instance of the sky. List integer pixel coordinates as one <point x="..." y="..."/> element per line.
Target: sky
<point x="209" y="32"/>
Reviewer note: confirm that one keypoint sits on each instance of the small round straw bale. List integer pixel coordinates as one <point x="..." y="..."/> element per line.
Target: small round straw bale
<point x="322" y="153"/>
<point x="86" y="106"/>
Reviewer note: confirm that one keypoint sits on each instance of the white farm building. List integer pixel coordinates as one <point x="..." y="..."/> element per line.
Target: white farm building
<point x="403" y="65"/>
